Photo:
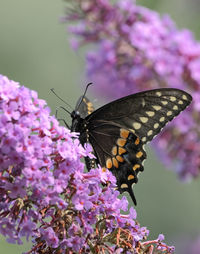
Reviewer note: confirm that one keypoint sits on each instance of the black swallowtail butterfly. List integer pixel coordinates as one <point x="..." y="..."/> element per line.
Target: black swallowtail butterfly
<point x="119" y="130"/>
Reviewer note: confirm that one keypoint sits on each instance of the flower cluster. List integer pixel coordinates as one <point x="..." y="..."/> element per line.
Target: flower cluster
<point x="142" y="50"/>
<point x="45" y="193"/>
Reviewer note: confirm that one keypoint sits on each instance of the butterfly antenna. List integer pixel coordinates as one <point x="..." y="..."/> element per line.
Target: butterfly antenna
<point x="63" y="109"/>
<point x="83" y="95"/>
<point x="52" y="90"/>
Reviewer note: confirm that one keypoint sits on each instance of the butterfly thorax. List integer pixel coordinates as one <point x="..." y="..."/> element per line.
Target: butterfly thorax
<point x="79" y="125"/>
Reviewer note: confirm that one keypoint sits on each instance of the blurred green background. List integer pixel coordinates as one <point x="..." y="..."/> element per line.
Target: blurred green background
<point x="35" y="51"/>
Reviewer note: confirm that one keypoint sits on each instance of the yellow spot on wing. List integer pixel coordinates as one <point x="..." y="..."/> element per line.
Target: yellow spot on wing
<point x="150" y="113"/>
<point x="156" y="107"/>
<point x="124" y="186"/>
<point x="149" y="133"/>
<point x="164" y="102"/>
<point x="175" y="107"/>
<point x="172" y="98"/>
<point x="144" y="139"/>
<point x="184" y="97"/>
<point x="158" y="94"/>
<point x="144" y="119"/>
<point x="136" y="125"/>
<point x="169" y="113"/>
<point x="180" y="102"/>
<point x="156" y="125"/>
<point x="133" y="131"/>
<point x="162" y="119"/>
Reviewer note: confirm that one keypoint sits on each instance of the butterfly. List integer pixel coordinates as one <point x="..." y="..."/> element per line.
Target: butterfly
<point x="119" y="130"/>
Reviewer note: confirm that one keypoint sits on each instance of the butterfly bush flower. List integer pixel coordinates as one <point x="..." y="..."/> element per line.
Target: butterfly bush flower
<point x="45" y="193"/>
<point x="141" y="50"/>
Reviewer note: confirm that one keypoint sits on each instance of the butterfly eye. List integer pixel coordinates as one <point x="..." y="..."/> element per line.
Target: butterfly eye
<point x="73" y="114"/>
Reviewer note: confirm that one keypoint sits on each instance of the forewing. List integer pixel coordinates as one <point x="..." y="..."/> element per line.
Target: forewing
<point x="145" y="113"/>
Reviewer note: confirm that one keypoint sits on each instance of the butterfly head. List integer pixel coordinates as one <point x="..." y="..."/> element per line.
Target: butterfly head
<point x="75" y="114"/>
<point x="76" y="121"/>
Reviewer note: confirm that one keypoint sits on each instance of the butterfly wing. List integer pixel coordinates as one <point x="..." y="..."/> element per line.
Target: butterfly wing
<point x="144" y="113"/>
<point x="119" y="150"/>
<point x="84" y="107"/>
<point x="118" y="130"/>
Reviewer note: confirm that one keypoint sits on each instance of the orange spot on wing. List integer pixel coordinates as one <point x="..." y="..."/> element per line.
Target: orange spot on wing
<point x="121" y="150"/>
<point x="119" y="158"/>
<point x="115" y="162"/>
<point x="137" y="141"/>
<point x="121" y="141"/>
<point x="109" y="163"/>
<point x="130" y="177"/>
<point x="139" y="154"/>
<point x="114" y="150"/>
<point x="124" y="133"/>
<point x="136" y="166"/>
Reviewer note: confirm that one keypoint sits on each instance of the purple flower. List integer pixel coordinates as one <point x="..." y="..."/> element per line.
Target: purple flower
<point x="45" y="193"/>
<point x="82" y="202"/>
<point x="137" y="61"/>
<point x="75" y="243"/>
<point x="16" y="189"/>
<point x="133" y="214"/>
<point x="27" y="228"/>
<point x="161" y="237"/>
<point x="50" y="237"/>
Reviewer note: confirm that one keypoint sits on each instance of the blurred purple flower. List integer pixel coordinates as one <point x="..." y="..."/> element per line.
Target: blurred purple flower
<point x="27" y="228"/>
<point x="188" y="243"/>
<point x="194" y="246"/>
<point x="49" y="235"/>
<point x="45" y="193"/>
<point x="142" y="50"/>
